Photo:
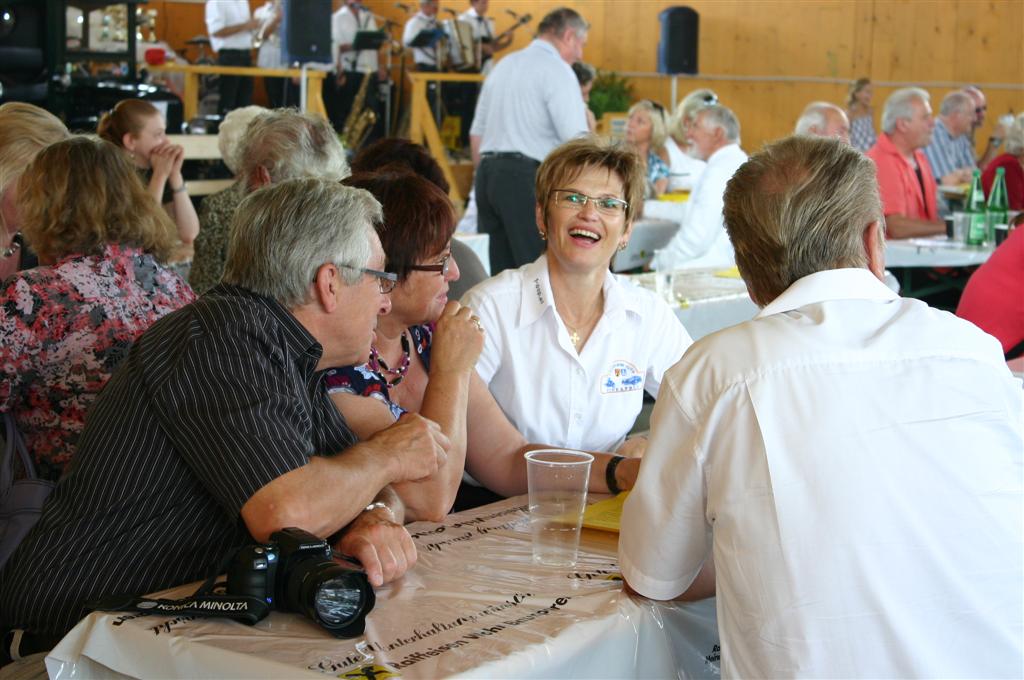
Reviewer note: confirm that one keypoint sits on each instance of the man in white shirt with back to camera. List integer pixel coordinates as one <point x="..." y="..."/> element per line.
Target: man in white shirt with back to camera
<point x="844" y="470"/>
<point x="529" y="104"/>
<point x="701" y="240"/>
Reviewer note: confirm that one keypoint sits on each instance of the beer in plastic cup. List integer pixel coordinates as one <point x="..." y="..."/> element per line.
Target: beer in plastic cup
<point x="557" y="482"/>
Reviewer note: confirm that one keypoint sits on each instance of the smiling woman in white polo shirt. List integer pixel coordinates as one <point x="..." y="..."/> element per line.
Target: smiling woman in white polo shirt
<point x="570" y="348"/>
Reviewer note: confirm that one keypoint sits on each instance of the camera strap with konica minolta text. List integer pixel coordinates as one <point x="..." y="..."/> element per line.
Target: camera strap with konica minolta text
<point x="204" y="602"/>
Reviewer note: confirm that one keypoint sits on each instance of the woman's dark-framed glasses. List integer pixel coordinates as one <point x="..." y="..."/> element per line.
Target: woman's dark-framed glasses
<point x="574" y="200"/>
<point x="441" y="267"/>
<point x="386" y="281"/>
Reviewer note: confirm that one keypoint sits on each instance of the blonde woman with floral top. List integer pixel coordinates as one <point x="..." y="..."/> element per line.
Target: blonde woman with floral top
<point x="66" y="325"/>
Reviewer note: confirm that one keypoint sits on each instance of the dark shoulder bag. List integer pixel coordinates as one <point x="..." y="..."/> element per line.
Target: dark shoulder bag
<point x="21" y="502"/>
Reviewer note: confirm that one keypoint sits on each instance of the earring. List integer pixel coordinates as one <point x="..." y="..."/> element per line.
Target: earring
<point x="623" y="244"/>
<point x="14" y="246"/>
<point x="543" y="236"/>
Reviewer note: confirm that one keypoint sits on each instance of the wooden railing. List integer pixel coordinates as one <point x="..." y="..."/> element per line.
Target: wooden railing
<point x="314" y="82"/>
<point x="423" y="128"/>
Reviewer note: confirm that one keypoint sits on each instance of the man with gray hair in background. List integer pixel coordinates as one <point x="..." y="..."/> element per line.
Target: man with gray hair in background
<point x="823" y="119"/>
<point x="701" y="240"/>
<point x="278" y="145"/>
<point x="529" y="104"/>
<point x="844" y="470"/>
<point x="905" y="178"/>
<point x="950" y="153"/>
<point x="217" y="430"/>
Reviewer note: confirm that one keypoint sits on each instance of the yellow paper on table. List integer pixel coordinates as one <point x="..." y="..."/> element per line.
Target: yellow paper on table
<point x="605" y="515"/>
<point x="730" y="273"/>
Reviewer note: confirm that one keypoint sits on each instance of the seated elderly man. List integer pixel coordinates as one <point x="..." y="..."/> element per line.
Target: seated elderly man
<point x="276" y="146"/>
<point x="217" y="429"/>
<point x="822" y="119"/>
<point x="995" y="139"/>
<point x="905" y="177"/>
<point x="950" y="153"/>
<point x="844" y="470"/>
<point x="701" y="240"/>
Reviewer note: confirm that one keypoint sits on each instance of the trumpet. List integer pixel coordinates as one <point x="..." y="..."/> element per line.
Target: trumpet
<point x="261" y="35"/>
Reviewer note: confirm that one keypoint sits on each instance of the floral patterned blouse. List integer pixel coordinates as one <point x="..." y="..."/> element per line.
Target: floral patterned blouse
<point x="366" y="382"/>
<point x="657" y="169"/>
<point x="63" y="331"/>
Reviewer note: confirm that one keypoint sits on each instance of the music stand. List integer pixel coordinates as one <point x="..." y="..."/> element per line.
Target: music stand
<point x="368" y="40"/>
<point x="427" y="38"/>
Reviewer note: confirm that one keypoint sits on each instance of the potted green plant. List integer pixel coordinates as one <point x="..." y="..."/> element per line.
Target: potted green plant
<point x="611" y="93"/>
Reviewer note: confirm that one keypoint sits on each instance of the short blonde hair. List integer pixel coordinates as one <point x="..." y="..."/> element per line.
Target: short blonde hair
<point x="567" y="161"/>
<point x="659" y="120"/>
<point x="688" y="108"/>
<point x="231" y="131"/>
<point x="66" y="210"/>
<point x="25" y="130"/>
<point x="799" y="206"/>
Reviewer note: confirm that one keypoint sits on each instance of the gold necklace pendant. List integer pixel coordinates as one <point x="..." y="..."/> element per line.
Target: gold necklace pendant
<point x="574" y="337"/>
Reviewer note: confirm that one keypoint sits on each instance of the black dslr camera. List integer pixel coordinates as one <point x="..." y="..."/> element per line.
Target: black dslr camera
<point x="295" y="572"/>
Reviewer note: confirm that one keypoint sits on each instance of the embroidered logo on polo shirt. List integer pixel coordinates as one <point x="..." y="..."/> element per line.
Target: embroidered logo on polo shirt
<point x="621" y="377"/>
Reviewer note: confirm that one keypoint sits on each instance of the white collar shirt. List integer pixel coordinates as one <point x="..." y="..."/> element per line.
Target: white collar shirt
<point x="483" y="26"/>
<point x="702" y="240"/>
<point x="423" y="56"/>
<point x="223" y="13"/>
<point x="855" y="460"/>
<point x="551" y="393"/>
<point x="344" y="26"/>
<point x="684" y="169"/>
<point x="530" y="103"/>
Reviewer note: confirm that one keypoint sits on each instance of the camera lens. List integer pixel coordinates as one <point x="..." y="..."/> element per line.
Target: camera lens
<point x="336" y="597"/>
<point x="338" y="600"/>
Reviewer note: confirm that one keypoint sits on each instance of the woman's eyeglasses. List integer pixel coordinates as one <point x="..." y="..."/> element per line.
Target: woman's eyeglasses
<point x="386" y="281"/>
<point x="441" y="267"/>
<point x="574" y="200"/>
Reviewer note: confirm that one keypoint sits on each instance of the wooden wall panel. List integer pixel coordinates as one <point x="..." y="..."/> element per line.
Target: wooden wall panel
<point x="774" y="43"/>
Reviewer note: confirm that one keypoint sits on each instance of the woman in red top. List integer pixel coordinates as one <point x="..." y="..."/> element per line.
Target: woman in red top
<point x="994" y="297"/>
<point x="1013" y="163"/>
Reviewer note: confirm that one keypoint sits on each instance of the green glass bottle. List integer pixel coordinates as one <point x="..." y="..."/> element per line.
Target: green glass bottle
<point x="977" y="229"/>
<point x="998" y="204"/>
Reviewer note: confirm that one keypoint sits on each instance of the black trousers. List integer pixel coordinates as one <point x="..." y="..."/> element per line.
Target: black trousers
<point x="505" y="202"/>
<point x="235" y="91"/>
<point x="281" y="92"/>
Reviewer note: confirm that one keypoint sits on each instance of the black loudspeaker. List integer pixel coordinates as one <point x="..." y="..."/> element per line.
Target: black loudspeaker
<point x="22" y="54"/>
<point x="680" y="31"/>
<point x="306" y="31"/>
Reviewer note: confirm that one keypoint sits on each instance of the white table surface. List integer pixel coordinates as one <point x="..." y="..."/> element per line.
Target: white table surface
<point x="704" y="301"/>
<point x="474" y="605"/>
<point x="933" y="251"/>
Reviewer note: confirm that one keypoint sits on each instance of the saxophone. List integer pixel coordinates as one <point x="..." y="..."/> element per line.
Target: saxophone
<point x="360" y="120"/>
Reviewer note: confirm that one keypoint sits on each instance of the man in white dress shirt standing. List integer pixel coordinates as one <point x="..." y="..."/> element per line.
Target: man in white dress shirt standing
<point x="426" y="58"/>
<point x="845" y="470"/>
<point x="701" y="240"/>
<point x="231" y="26"/>
<point x="529" y="104"/>
<point x="484" y="34"/>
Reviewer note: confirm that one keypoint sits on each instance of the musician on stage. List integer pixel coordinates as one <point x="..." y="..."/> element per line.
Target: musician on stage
<point x="231" y="29"/>
<point x="351" y="65"/>
<point x="483" y="32"/>
<point x="426" y="58"/>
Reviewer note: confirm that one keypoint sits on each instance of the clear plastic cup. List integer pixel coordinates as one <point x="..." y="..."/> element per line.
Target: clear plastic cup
<point x="557" y="482"/>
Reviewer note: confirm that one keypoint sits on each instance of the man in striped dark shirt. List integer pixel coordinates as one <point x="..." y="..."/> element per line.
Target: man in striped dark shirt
<point x="217" y="431"/>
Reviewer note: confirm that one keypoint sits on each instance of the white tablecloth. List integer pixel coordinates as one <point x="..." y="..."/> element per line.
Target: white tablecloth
<point x="703" y="301"/>
<point x="474" y="605"/>
<point x="935" y="251"/>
